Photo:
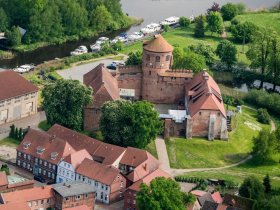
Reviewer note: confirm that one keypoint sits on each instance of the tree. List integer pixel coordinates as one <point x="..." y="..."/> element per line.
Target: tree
<point x="14" y="36"/>
<point x="215" y="22"/>
<point x="125" y="123"/>
<point x="184" y="22"/>
<point x="101" y="19"/>
<point x="16" y="133"/>
<point x="64" y="101"/>
<point x="20" y="134"/>
<point x="166" y="28"/>
<point x="206" y="51"/>
<point x="274" y="59"/>
<point x="214" y="8"/>
<point x="267" y="184"/>
<point x="243" y="32"/>
<point x="199" y="30"/>
<point x="5" y="168"/>
<point x="12" y="131"/>
<point x="252" y="188"/>
<point x="188" y="60"/>
<point x="259" y="50"/>
<point x="263" y="145"/>
<point x="263" y="116"/>
<point x="134" y="58"/>
<point x="4" y="23"/>
<point x="118" y="46"/>
<point x="229" y="11"/>
<point x="241" y="7"/>
<point x="162" y="194"/>
<point x="227" y="53"/>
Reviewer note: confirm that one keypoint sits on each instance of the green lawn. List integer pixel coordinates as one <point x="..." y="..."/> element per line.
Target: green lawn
<point x="10" y="142"/>
<point x="151" y="148"/>
<point x="184" y="38"/>
<point x="44" y="125"/>
<point x="200" y="153"/>
<point x="271" y="20"/>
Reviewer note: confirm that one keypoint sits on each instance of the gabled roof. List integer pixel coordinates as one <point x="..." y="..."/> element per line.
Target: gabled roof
<point x="107" y="152"/>
<point x="76" y="158"/>
<point x="142" y="161"/>
<point x="238" y="202"/>
<point x="217" y="197"/>
<point x="3" y="179"/>
<point x="12" y="85"/>
<point x="203" y="93"/>
<point x="33" y="194"/>
<point x="97" y="171"/>
<point x="158" y="44"/>
<point x="147" y="179"/>
<point x="206" y="197"/>
<point x="53" y="147"/>
<point x="104" y="85"/>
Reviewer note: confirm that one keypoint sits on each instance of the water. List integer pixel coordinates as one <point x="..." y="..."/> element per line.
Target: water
<point x="149" y="10"/>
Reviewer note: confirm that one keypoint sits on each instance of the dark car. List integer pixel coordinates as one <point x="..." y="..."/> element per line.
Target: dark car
<point x="50" y="182"/>
<point x="39" y="179"/>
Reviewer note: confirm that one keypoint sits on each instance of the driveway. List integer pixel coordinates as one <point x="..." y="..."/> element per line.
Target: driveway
<point x="77" y="72"/>
<point x="31" y="121"/>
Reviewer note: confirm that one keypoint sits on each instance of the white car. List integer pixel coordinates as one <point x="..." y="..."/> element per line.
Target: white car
<point x="118" y="38"/>
<point x="24" y="68"/>
<point x="80" y="50"/>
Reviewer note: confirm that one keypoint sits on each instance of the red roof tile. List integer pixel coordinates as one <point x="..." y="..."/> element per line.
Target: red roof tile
<point x="76" y="158"/>
<point x="217" y="197"/>
<point x="15" y="206"/>
<point x="12" y="85"/>
<point x="98" y="171"/>
<point x="147" y="179"/>
<point x="3" y="179"/>
<point x="158" y="44"/>
<point x="83" y="207"/>
<point x="198" y="193"/>
<point x="33" y="194"/>
<point x="203" y="93"/>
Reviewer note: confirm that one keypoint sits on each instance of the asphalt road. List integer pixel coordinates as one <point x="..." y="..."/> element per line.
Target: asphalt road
<point x="77" y="72"/>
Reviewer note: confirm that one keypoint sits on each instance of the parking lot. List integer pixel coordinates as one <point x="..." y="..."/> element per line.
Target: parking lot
<point x="77" y="72"/>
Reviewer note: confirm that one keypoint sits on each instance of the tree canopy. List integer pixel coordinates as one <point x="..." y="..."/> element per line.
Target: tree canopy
<point x="227" y="53"/>
<point x="134" y="58"/>
<point x="50" y="20"/>
<point x="125" y="123"/>
<point x="243" y="32"/>
<point x="199" y="30"/>
<point x="162" y="194"/>
<point x="252" y="188"/>
<point x="64" y="101"/>
<point x="215" y="22"/>
<point x="206" y="51"/>
<point x="184" y="22"/>
<point x="229" y="11"/>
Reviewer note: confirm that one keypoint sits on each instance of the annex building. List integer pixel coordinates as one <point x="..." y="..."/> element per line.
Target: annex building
<point x="195" y="105"/>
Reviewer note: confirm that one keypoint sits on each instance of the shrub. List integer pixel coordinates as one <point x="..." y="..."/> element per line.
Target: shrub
<point x="263" y="116"/>
<point x="243" y="31"/>
<point x="184" y="22"/>
<point x="229" y="11"/>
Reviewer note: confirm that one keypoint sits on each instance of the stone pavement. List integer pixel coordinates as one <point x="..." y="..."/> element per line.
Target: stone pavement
<point x="162" y="154"/>
<point x="31" y="121"/>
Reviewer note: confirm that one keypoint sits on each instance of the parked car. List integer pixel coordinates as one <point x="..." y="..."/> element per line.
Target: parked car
<point x="51" y="182"/>
<point x="39" y="179"/>
<point x="115" y="64"/>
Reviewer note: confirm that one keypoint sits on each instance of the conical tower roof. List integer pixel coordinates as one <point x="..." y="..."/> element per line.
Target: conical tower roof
<point x="158" y="44"/>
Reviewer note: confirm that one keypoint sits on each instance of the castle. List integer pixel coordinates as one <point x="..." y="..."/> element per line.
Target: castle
<point x="194" y="103"/>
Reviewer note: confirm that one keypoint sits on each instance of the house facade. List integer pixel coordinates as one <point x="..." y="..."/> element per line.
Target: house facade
<point x="197" y="97"/>
<point x="18" y="97"/>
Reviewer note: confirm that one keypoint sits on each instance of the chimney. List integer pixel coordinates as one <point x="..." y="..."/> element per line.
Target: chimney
<point x="52" y="138"/>
<point x="145" y="166"/>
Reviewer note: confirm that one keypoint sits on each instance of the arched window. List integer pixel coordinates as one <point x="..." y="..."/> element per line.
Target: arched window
<point x="157" y="58"/>
<point x="148" y="58"/>
<point x="167" y="57"/>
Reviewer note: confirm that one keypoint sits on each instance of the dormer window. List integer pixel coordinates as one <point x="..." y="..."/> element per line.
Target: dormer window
<point x="40" y="150"/>
<point x="54" y="155"/>
<point x="157" y="58"/>
<point x="26" y="145"/>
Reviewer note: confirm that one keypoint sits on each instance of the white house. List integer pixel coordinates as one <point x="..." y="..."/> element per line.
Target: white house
<point x="67" y="167"/>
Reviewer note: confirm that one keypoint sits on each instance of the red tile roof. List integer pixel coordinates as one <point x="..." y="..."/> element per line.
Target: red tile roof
<point x="15" y="206"/>
<point x="198" y="193"/>
<point x="147" y="179"/>
<point x="83" y="207"/>
<point x="33" y="194"/>
<point x="203" y="93"/>
<point x="49" y="143"/>
<point x="217" y="197"/>
<point x="98" y="171"/>
<point x="12" y="85"/>
<point x="76" y="158"/>
<point x="104" y="85"/>
<point x="158" y="44"/>
<point x="3" y="179"/>
<point x="106" y="152"/>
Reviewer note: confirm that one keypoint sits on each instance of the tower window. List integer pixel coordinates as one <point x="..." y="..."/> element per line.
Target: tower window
<point x="148" y="58"/>
<point x="157" y="58"/>
<point x="150" y="72"/>
<point x="167" y="57"/>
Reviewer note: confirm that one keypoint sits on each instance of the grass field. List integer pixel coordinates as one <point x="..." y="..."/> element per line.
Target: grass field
<point x="271" y="20"/>
<point x="151" y="148"/>
<point x="200" y="153"/>
<point x="10" y="142"/>
<point x="184" y="38"/>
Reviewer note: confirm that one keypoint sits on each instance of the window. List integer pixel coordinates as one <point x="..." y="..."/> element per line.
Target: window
<point x="96" y="184"/>
<point x="44" y="172"/>
<point x="150" y="73"/>
<point x="49" y="174"/>
<point x="106" y="187"/>
<point x="86" y="195"/>
<point x="24" y="156"/>
<point x="54" y="155"/>
<point x="24" y="164"/>
<point x="77" y="197"/>
<point x="18" y="162"/>
<point x="48" y="200"/>
<point x="167" y="57"/>
<point x="19" y="154"/>
<point x="53" y="176"/>
<point x="30" y="204"/>
<point x="157" y="59"/>
<point x="42" y="201"/>
<point x="28" y="157"/>
<point x="40" y="170"/>
<point x="102" y="187"/>
<point x="53" y="167"/>
<point x="40" y="150"/>
<point x="148" y="58"/>
<point x="121" y="184"/>
<point x="45" y="163"/>
<point x="101" y="196"/>
<point x="36" y="160"/>
<point x="67" y="198"/>
<point x="40" y="161"/>
<point x="26" y="145"/>
<point x="199" y="113"/>
<point x="219" y="113"/>
<point x="50" y="165"/>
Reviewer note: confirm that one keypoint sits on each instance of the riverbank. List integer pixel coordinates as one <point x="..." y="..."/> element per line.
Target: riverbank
<point x="6" y="54"/>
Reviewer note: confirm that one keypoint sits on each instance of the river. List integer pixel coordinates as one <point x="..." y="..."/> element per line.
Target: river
<point x="149" y="10"/>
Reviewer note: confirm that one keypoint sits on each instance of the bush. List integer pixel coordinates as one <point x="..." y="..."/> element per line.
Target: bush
<point x="184" y="22"/>
<point x="241" y="31"/>
<point x="263" y="116"/>
<point x="229" y="11"/>
<point x="5" y="168"/>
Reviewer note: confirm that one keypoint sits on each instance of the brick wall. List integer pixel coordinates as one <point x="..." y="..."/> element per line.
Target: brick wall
<point x="130" y="200"/>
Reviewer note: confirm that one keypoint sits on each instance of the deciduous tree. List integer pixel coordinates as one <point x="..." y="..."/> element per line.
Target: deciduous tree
<point x="14" y="36"/>
<point x="64" y="101"/>
<point x="134" y="58"/>
<point x="229" y="11"/>
<point x="215" y="22"/>
<point x="199" y="30"/>
<point x="4" y="23"/>
<point x="184" y="22"/>
<point x="227" y="53"/>
<point x="267" y="184"/>
<point x="252" y="188"/>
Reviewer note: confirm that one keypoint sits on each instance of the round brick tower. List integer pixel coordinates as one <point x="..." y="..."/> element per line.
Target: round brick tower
<point x="157" y="58"/>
